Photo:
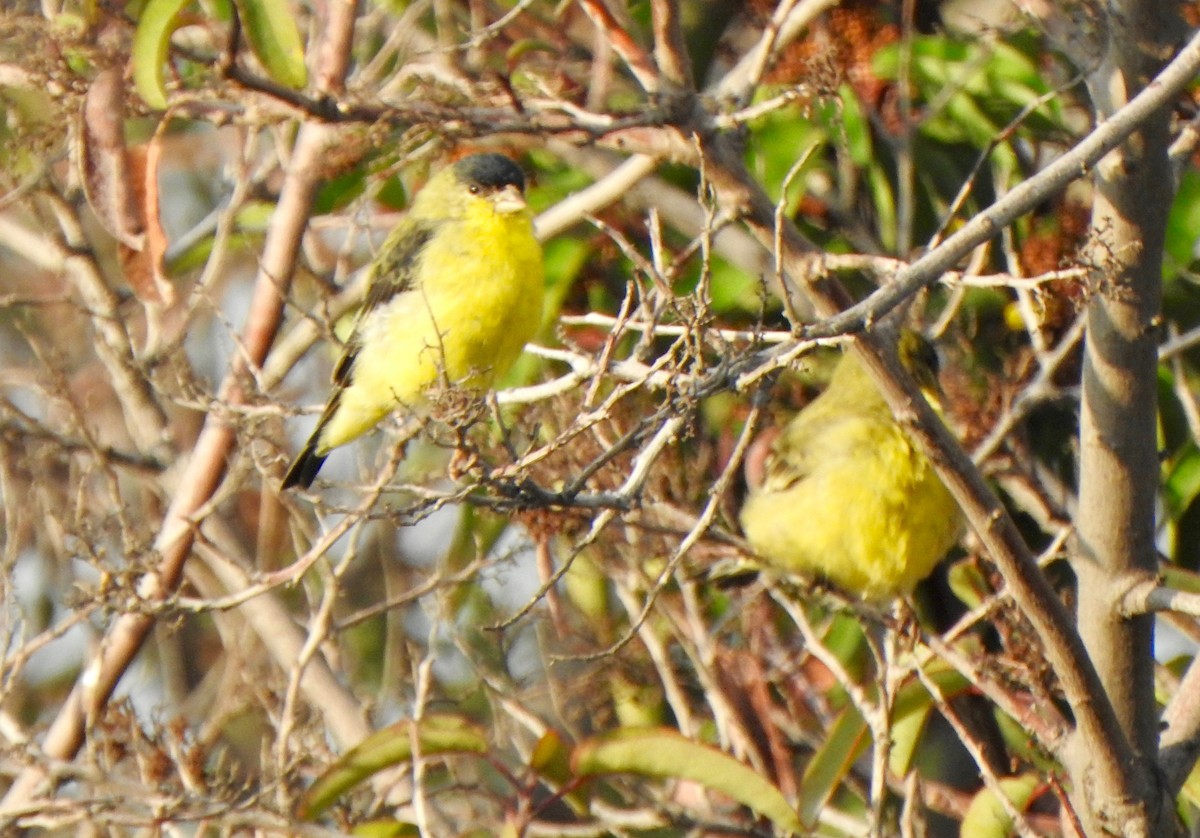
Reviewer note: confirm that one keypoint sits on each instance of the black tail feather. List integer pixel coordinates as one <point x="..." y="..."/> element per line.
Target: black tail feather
<point x="305" y="467"/>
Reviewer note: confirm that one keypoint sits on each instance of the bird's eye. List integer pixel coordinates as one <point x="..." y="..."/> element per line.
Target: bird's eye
<point x="474" y="189"/>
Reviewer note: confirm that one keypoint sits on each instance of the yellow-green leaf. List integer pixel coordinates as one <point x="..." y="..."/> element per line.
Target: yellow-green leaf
<point x="551" y="759"/>
<point x="846" y="742"/>
<point x="385" y="829"/>
<point x="968" y="583"/>
<point x="986" y="817"/>
<point x="435" y="734"/>
<point x="270" y="27"/>
<point x="911" y="711"/>
<point x="638" y="706"/>
<point x="150" y="44"/>
<point x="665" y="754"/>
<point x="1191" y="787"/>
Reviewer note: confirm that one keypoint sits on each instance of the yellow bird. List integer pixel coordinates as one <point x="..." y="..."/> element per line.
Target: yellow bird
<point x="847" y="496"/>
<point x="453" y="296"/>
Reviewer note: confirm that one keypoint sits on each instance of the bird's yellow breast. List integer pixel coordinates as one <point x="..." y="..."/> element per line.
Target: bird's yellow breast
<point x="476" y="321"/>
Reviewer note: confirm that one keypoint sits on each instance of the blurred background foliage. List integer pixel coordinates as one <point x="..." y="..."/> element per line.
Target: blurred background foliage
<point x="629" y="695"/>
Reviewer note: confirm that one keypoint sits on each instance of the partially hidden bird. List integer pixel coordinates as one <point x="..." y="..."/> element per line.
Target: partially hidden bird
<point x="847" y="496"/>
<point x="453" y="296"/>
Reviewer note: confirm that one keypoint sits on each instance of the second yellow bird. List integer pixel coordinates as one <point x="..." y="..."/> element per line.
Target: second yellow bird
<point x="454" y="295"/>
<point x="847" y="495"/>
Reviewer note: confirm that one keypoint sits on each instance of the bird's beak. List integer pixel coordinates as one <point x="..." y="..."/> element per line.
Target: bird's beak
<point x="509" y="199"/>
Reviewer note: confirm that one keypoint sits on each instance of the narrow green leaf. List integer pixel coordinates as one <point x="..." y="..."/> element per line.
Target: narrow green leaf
<point x="911" y="711"/>
<point x="665" y="754"/>
<point x="847" y="741"/>
<point x="150" y="44"/>
<point x="880" y="184"/>
<point x="270" y="27"/>
<point x="339" y="191"/>
<point x="436" y="734"/>
<point x="1181" y="578"/>
<point x="845" y="640"/>
<point x="854" y="125"/>
<point x="906" y="735"/>
<point x="385" y="829"/>
<point x="1183" y="483"/>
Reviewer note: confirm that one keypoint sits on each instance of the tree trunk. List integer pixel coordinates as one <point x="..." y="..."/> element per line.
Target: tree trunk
<point x="1119" y="463"/>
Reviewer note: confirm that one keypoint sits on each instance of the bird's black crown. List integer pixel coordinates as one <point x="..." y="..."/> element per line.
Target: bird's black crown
<point x="491" y="171"/>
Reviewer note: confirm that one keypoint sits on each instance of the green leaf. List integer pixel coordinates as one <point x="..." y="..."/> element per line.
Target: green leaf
<point x="586" y="586"/>
<point x="392" y="194"/>
<point x="436" y="735"/>
<point x="270" y="27"/>
<point x="850" y="119"/>
<point x="551" y="759"/>
<point x="911" y="711"/>
<point x="884" y="201"/>
<point x="1183" y="482"/>
<point x="385" y="828"/>
<point x="1180" y="578"/>
<point x="666" y="754"/>
<point x="1191" y="787"/>
<point x="1183" y="225"/>
<point x="845" y="639"/>
<point x="986" y="817"/>
<point x="733" y="289"/>
<point x="338" y="191"/>
<point x="968" y="583"/>
<point x="780" y="140"/>
<point x="846" y="742"/>
<point x="965" y="113"/>
<point x="1019" y="744"/>
<point x="983" y="87"/>
<point x="150" y="44"/>
<point x="251" y="222"/>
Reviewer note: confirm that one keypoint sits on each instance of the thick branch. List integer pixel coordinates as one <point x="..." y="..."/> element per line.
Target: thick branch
<point x="1119" y="468"/>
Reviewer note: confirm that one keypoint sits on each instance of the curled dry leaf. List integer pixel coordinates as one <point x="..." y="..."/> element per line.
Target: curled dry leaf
<point x="121" y="187"/>
<point x="105" y="162"/>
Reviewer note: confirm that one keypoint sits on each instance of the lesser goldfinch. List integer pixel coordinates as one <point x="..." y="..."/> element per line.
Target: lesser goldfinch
<point x="453" y="296"/>
<point x="847" y="496"/>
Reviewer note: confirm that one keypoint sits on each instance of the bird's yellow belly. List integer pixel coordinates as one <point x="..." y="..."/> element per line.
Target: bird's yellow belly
<point x="873" y="525"/>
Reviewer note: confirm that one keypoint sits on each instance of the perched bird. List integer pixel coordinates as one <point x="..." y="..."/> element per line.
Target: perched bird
<point x="847" y="496"/>
<point x="453" y="296"/>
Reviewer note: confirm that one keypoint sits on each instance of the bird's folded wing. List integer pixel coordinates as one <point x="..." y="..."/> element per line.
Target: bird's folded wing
<point x="820" y="440"/>
<point x="391" y="274"/>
